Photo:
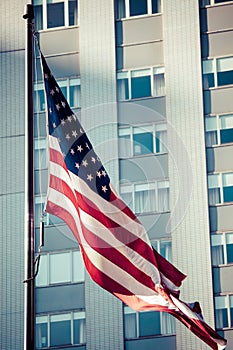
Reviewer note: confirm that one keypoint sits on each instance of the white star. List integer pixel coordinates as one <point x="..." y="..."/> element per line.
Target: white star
<point x="89" y="177"/>
<point x="59" y="140"/>
<point x="87" y="146"/>
<point x="63" y="104"/>
<point x="104" y="189"/>
<point x="57" y="89"/>
<point x="74" y="117"/>
<point x="46" y="76"/>
<point x="98" y="173"/>
<point x="58" y="107"/>
<point x="67" y="136"/>
<point x="70" y="119"/>
<point x="81" y="130"/>
<point x="77" y="165"/>
<point x="84" y="163"/>
<point x="74" y="133"/>
<point x="72" y="151"/>
<point x="63" y="121"/>
<point x="104" y="173"/>
<point x="52" y="92"/>
<point x="63" y="154"/>
<point x="93" y="160"/>
<point x="54" y="125"/>
<point x="50" y="110"/>
<point x="79" y="148"/>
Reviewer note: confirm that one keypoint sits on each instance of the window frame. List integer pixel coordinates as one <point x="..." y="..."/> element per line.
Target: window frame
<point x="44" y="19"/>
<point x="47" y="319"/>
<point x="210" y="66"/>
<point x="223" y="237"/>
<point x="130" y="74"/>
<point x="228" y="302"/>
<point x="220" y="178"/>
<point x="129" y="130"/>
<point x="72" y="278"/>
<point x="126" y="10"/>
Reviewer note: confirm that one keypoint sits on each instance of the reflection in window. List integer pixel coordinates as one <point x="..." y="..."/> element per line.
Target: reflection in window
<point x="147" y="323"/>
<point x="221" y="312"/>
<point x="139" y="140"/>
<point x="128" y="8"/>
<point x="60" y="329"/>
<point x="140" y="83"/>
<point x="62" y="267"/>
<point x="217" y="72"/>
<point x="214" y="189"/>
<point x="146" y="197"/>
<point x="55" y="13"/>
<point x="222" y="248"/>
<point x="219" y="129"/>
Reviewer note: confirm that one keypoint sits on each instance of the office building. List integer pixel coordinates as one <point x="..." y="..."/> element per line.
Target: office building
<point x="152" y="82"/>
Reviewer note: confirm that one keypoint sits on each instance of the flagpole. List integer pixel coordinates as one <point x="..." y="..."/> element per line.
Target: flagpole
<point x="29" y="289"/>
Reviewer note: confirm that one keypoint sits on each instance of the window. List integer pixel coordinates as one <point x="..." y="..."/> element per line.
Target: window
<point x="212" y="2"/>
<point x="219" y="129"/>
<point x="55" y="13"/>
<point x="131" y="8"/>
<point x="146" y="197"/>
<point x="139" y="140"/>
<point x="222" y="248"/>
<point x="62" y="267"/>
<point x="60" y="329"/>
<point x="147" y="323"/>
<point x="220" y="188"/>
<point x="217" y="72"/>
<point x="164" y="248"/>
<point x="69" y="87"/>
<point x="224" y="311"/>
<point x="140" y="83"/>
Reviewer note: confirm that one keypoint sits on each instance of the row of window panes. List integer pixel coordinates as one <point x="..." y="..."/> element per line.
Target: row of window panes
<point x="217" y="72"/>
<point x="220" y="188"/>
<point x="60" y="267"/>
<point x="219" y="129"/>
<point x="212" y="2"/>
<point x="128" y="8"/>
<point x="224" y="311"/>
<point x="55" y="13"/>
<point x="69" y="87"/>
<point x="60" y="329"/>
<point x="147" y="323"/>
<point x="222" y="248"/>
<point x="148" y="82"/>
<point x="137" y="140"/>
<point x="146" y="197"/>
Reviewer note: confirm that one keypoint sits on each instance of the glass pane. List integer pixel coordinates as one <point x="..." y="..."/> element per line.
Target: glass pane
<point x="145" y="201"/>
<point x="143" y="143"/>
<point x="40" y="159"/>
<point x="211" y="138"/>
<point x="161" y="141"/>
<point x="75" y="96"/>
<point x="124" y="146"/>
<point x="163" y="199"/>
<point x="141" y="87"/>
<point x="166" y="250"/>
<point x="208" y="80"/>
<point x="221" y="318"/>
<point x="225" y="78"/>
<point x="230" y="253"/>
<point x="214" y="196"/>
<point x="226" y="136"/>
<point x="41" y="335"/>
<point x="120" y="9"/>
<point x="79" y="331"/>
<point x="55" y="15"/>
<point x="159" y="85"/>
<point x="168" y="325"/>
<point x="39" y="99"/>
<point x="217" y="255"/>
<point x="128" y="199"/>
<point x="122" y="89"/>
<point x="78" y="267"/>
<point x="60" y="268"/>
<point x="73" y="12"/>
<point x="138" y="7"/>
<point x="42" y="277"/>
<point x="149" y="323"/>
<point x="130" y="325"/>
<point x="228" y="194"/>
<point x="38" y="13"/>
<point x="60" y="332"/>
<point x="156" y="6"/>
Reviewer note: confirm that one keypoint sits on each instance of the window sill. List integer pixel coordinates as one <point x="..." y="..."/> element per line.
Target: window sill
<point x="58" y="29"/>
<point x="221" y="145"/>
<point x="146" y="15"/>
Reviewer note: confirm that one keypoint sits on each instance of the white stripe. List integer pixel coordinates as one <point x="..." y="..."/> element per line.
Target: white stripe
<point x="107" y="267"/>
<point x="137" y="260"/>
<point x="184" y="308"/>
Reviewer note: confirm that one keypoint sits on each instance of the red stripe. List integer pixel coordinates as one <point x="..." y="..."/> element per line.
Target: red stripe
<point x="120" y="232"/>
<point x="57" y="157"/>
<point x="61" y="186"/>
<point x="113" y="255"/>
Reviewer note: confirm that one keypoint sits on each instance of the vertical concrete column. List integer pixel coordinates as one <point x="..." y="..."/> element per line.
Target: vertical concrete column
<point x="99" y="118"/>
<point x="189" y="224"/>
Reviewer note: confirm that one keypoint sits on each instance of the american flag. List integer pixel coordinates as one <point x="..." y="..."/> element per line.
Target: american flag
<point x="115" y="246"/>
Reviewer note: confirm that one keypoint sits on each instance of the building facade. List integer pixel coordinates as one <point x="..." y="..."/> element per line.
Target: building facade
<point x="151" y="82"/>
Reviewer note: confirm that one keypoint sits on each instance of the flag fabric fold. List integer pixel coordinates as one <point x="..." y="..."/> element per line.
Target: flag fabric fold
<point x="115" y="246"/>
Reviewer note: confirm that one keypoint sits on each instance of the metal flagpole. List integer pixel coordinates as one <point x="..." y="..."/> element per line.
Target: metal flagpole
<point x="29" y="289"/>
